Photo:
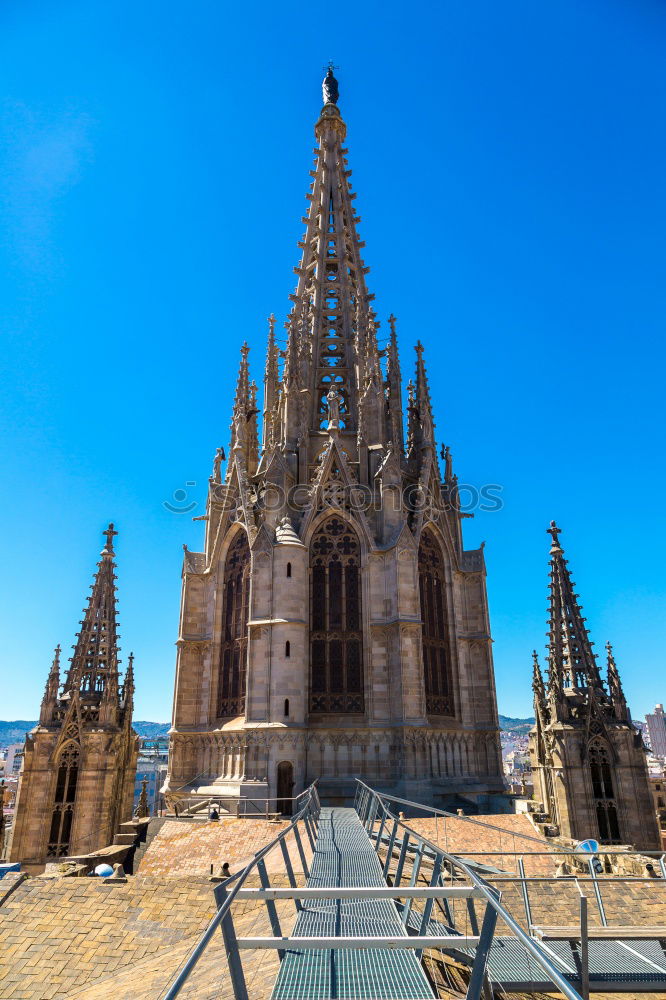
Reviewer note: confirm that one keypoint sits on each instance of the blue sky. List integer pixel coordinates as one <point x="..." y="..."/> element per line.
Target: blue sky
<point x="510" y="167"/>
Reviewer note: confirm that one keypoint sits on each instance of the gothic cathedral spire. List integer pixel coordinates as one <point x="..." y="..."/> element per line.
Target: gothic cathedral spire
<point x="590" y="773"/>
<point x="77" y="781"/>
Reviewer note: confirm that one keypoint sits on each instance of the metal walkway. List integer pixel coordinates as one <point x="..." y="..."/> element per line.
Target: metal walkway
<point x="345" y="857"/>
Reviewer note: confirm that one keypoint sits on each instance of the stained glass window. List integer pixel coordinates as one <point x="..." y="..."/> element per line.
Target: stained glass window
<point x="62" y="817"/>
<point x="336" y="659"/>
<point x="604" y="793"/>
<point x="436" y="647"/>
<point x="235" y="613"/>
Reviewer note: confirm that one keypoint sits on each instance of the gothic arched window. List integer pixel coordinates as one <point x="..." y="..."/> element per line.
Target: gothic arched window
<point x="336" y="659"/>
<point x="235" y="613"/>
<point x="436" y="648"/>
<point x="604" y="793"/>
<point x="62" y="816"/>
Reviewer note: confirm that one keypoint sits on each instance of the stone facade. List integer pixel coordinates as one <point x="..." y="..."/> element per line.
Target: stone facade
<point x="334" y="626"/>
<point x="589" y="763"/>
<point x="77" y="780"/>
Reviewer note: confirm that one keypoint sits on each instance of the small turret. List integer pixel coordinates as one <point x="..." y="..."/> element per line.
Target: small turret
<point x="51" y="691"/>
<point x="618" y="700"/>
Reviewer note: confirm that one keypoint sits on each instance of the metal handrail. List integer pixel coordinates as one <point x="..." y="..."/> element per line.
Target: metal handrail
<point x="227" y="895"/>
<point x="491" y="899"/>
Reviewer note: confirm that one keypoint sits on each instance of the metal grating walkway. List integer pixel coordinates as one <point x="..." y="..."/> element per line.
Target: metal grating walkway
<point x="344" y="856"/>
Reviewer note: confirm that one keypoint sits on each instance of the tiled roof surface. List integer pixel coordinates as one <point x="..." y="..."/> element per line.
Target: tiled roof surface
<point x="83" y="938"/>
<point x="186" y="848"/>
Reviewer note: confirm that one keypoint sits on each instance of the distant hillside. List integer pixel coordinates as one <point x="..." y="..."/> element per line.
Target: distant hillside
<point x="15" y="732"/>
<point x="509" y="725"/>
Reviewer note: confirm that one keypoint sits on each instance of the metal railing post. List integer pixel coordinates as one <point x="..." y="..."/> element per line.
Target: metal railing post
<point x="299" y="845"/>
<point x="306" y="824"/>
<point x="526" y="898"/>
<point x="389" y="851"/>
<point x="597" y="892"/>
<point x="401" y="857"/>
<point x="289" y="869"/>
<point x="584" y="951"/>
<point x="231" y="947"/>
<point x="412" y="881"/>
<point x="478" y="975"/>
<point x="427" y="909"/>
<point x="380" y="831"/>
<point x="270" y="904"/>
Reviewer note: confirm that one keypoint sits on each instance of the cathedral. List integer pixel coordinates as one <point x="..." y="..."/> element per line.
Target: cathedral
<point x="334" y="626"/>
<point x="77" y="781"/>
<point x="589" y="763"/>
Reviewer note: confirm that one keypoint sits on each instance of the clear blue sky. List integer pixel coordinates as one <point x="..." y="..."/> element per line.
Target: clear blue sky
<point x="510" y="164"/>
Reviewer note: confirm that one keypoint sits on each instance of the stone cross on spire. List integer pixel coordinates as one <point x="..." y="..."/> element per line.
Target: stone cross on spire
<point x="554" y="532"/>
<point x="108" y="548"/>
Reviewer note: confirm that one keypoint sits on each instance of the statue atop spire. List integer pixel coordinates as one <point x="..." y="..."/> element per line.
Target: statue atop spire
<point x="329" y="86"/>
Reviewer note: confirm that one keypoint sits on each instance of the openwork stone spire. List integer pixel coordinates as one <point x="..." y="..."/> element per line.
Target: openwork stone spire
<point x="94" y="665"/>
<point x="571" y="662"/>
<point x="331" y="318"/>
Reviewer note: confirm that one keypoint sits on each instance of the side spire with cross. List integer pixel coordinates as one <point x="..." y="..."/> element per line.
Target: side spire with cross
<point x="572" y="665"/>
<point x="93" y="670"/>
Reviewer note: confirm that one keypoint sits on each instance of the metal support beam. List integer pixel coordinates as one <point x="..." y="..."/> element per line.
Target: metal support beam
<point x="584" y="951"/>
<point x="427" y="909"/>
<point x="400" y="943"/>
<point x="301" y="852"/>
<point x="478" y="975"/>
<point x="270" y="903"/>
<point x="231" y="947"/>
<point x="289" y="869"/>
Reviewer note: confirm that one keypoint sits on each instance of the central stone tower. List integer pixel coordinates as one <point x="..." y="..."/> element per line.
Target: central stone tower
<point x="334" y="626"/>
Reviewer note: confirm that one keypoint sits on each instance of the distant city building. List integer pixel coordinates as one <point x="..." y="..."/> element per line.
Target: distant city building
<point x="589" y="762"/>
<point x="77" y="780"/>
<point x="656" y="725"/>
<point x="13" y="759"/>
<point x="154" y="771"/>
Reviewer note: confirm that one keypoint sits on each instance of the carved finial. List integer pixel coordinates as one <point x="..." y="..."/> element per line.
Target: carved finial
<point x="419" y="349"/>
<point x="392" y="321"/>
<point x="554" y="531"/>
<point x="245" y="350"/>
<point x="329" y="87"/>
<point x="271" y="324"/>
<point x="108" y="548"/>
<point x="142" y="809"/>
<point x="217" y="463"/>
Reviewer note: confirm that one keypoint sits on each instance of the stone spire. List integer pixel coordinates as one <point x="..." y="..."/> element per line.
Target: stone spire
<point x="394" y="390"/>
<point x="331" y="314"/>
<point x="538" y="687"/>
<point x="51" y="691"/>
<point x="94" y="665"/>
<point x="617" y="698"/>
<point x="425" y="423"/>
<point x="271" y="388"/>
<point x="244" y="437"/>
<point x="127" y="699"/>
<point x="571" y="662"/>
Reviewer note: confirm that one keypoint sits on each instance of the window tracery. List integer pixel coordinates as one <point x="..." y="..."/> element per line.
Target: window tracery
<point x="604" y="793"/>
<point x="64" y="801"/>
<point x="436" y="648"/>
<point x="235" y="614"/>
<point x="336" y="659"/>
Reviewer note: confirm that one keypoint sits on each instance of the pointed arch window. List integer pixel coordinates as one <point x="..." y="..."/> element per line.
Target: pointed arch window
<point x="235" y="613"/>
<point x="604" y="792"/>
<point x="436" y="646"/>
<point x="64" y="801"/>
<point x="336" y="657"/>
